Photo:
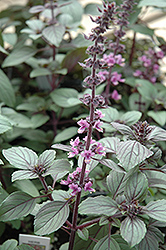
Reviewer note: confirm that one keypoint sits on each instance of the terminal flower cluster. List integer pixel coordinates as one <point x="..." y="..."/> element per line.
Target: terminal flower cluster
<point x="150" y="62"/>
<point x="73" y="182"/>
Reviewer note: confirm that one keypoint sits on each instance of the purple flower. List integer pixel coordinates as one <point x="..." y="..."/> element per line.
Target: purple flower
<point x="137" y="73"/>
<point x="87" y="154"/>
<point x="116" y="78"/>
<point x="97" y="125"/>
<point x="73" y="153"/>
<point x="63" y="182"/>
<point x="119" y="60"/>
<point x="100" y="149"/>
<point x="109" y="59"/>
<point x="160" y="54"/>
<point x="103" y="75"/>
<point x="76" y="189"/>
<point x="115" y="95"/>
<point x="87" y="187"/>
<point x="83" y="126"/>
<point x="99" y="114"/>
<point x="76" y="142"/>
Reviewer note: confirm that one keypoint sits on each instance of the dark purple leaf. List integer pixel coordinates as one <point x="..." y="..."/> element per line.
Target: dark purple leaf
<point x="157" y="134"/>
<point x="36" y="9"/>
<point x="156" y="178"/>
<point x="51" y="217"/>
<point x="156" y="210"/>
<point x="111" y="144"/>
<point x="136" y="187"/>
<point x="116" y="182"/>
<point x="100" y="205"/>
<point x="151" y="239"/>
<point x="111" y="164"/>
<point x="16" y="205"/>
<point x="130" y="153"/>
<point x="123" y="129"/>
<point x="62" y="147"/>
<point x="133" y="230"/>
<point x="103" y="244"/>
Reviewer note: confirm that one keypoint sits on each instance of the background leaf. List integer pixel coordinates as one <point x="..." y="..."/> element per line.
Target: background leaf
<point x="65" y="134"/>
<point x="5" y="125"/>
<point x="18" y="56"/>
<point x="54" y="34"/>
<point x="7" y="94"/>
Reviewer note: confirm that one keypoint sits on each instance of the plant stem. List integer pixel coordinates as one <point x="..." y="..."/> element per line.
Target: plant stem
<point x="132" y="50"/>
<point x="42" y="179"/>
<point x="89" y="135"/>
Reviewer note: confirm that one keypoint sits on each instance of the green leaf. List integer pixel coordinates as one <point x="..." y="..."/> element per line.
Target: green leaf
<point x="131" y="117"/>
<point x="39" y="119"/>
<point x="146" y="89"/>
<point x="6" y="90"/>
<point x="5" y="125"/>
<point x="159" y="117"/>
<point x="142" y="29"/>
<point x="133" y="230"/>
<point x="91" y="9"/>
<point x="21" y="157"/>
<point x="24" y="247"/>
<point x="156" y="210"/>
<point x="116" y="182"/>
<point x="54" y="34"/>
<point x="40" y="72"/>
<point x="131" y="153"/>
<point x="105" y="242"/>
<point x="156" y="3"/>
<point x="10" y="38"/>
<point x="83" y="234"/>
<point x="137" y="102"/>
<point x="72" y="58"/>
<point x="65" y="134"/>
<point x="62" y="95"/>
<point x="17" y="119"/>
<point x="100" y="205"/>
<point x="110" y="114"/>
<point x="59" y="166"/>
<point x="64" y="246"/>
<point x="51" y="217"/>
<point x="16" y="205"/>
<point x="3" y="50"/>
<point x="75" y="9"/>
<point x="136" y="187"/>
<point x="18" y="56"/>
<point x="9" y="245"/>
<point x="27" y="186"/>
